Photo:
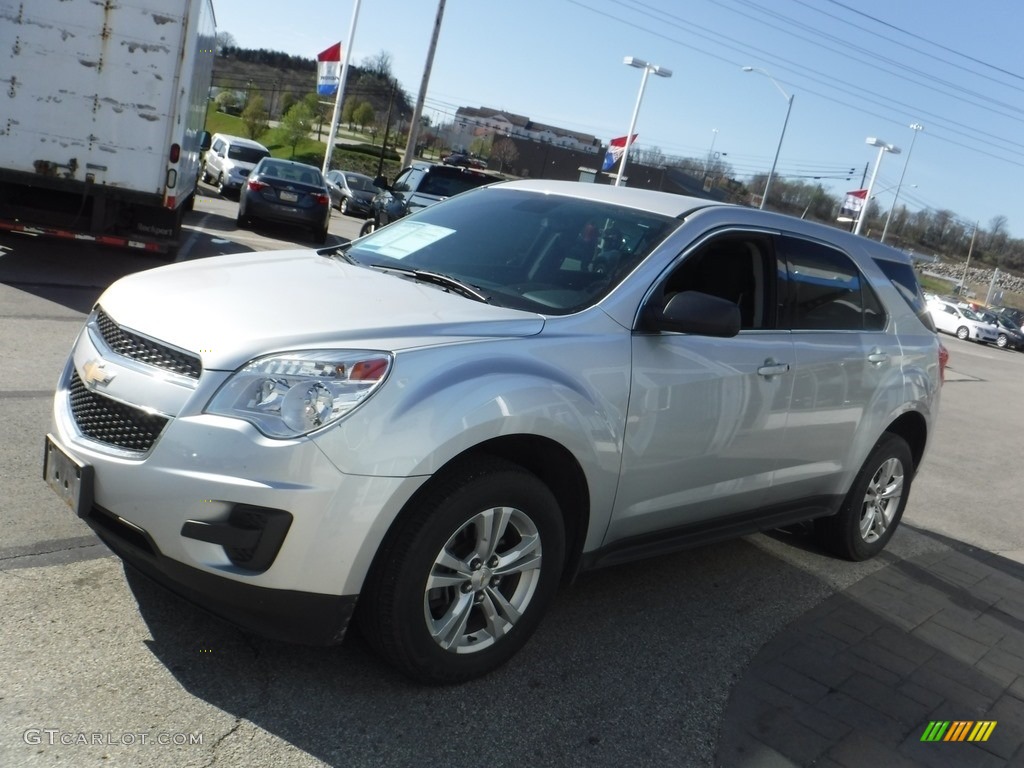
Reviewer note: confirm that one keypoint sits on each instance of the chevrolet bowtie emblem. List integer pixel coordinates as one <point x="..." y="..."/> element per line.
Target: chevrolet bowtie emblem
<point x="93" y="372"/>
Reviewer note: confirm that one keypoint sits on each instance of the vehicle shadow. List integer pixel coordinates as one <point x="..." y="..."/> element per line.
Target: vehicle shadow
<point x="632" y="666"/>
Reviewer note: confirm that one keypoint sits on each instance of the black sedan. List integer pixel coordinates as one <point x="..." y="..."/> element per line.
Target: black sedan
<point x="351" y="193"/>
<point x="286" y="192"/>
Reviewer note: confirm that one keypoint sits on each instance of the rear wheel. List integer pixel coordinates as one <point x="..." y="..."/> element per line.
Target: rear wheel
<point x="462" y="584"/>
<point x="319" y="234"/>
<point x="368" y="226"/>
<point x="874" y="504"/>
<point x="344" y="206"/>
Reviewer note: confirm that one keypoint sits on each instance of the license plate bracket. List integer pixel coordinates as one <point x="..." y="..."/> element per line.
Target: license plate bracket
<point x="69" y="478"/>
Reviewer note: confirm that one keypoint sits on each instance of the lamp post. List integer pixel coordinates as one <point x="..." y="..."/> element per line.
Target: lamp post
<point x="915" y="127"/>
<point x="648" y="69"/>
<point x="882" y="149"/>
<point x="789" y="108"/>
<point x="707" y="163"/>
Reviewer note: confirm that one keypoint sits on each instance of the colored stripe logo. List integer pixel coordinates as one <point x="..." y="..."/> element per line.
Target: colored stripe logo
<point x="958" y="730"/>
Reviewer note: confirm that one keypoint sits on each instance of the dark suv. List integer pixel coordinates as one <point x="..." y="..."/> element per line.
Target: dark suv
<point x="418" y="186"/>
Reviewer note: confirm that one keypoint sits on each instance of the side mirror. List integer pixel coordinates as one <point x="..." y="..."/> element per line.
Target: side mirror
<point x="381" y="182"/>
<point x="698" y="313"/>
<point x="204" y="140"/>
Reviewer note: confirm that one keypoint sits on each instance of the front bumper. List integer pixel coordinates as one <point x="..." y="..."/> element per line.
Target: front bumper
<point x="181" y="508"/>
<point x="280" y="614"/>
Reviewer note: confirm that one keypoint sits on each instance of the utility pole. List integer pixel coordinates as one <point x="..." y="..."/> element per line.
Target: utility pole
<point x="970" y="250"/>
<point x="414" y="128"/>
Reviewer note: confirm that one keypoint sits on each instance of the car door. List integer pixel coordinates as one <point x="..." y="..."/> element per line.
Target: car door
<point x="706" y="415"/>
<point x="848" y="369"/>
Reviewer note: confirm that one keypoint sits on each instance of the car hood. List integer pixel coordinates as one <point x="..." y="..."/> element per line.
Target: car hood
<point x="230" y="309"/>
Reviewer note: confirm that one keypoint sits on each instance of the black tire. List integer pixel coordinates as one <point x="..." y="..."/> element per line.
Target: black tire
<point x="242" y="221"/>
<point x="368" y="226"/>
<point x="404" y="620"/>
<point x="319" y="235"/>
<point x="221" y="189"/>
<point x="190" y="202"/>
<point x="963" y="333"/>
<point x="874" y="504"/>
<point x="205" y="176"/>
<point x="1002" y="341"/>
<point x="343" y="206"/>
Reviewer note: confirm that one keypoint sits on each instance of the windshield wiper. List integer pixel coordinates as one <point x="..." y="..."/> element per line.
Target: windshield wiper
<point x="436" y="278"/>
<point x="338" y="251"/>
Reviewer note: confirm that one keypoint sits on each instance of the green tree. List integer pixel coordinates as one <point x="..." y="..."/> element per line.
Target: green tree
<point x="255" y="118"/>
<point x="296" y="125"/>
<point x="363" y="115"/>
<point x="287" y="102"/>
<point x="348" y="110"/>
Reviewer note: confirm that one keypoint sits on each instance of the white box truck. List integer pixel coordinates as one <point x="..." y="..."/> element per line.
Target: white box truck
<point x="102" y="115"/>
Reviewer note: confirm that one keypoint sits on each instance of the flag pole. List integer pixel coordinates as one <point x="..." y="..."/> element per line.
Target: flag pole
<point x="341" y="89"/>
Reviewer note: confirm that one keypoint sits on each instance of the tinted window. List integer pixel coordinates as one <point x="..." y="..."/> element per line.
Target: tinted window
<point x="737" y="267"/>
<point x="827" y="291"/>
<point x="247" y="154"/>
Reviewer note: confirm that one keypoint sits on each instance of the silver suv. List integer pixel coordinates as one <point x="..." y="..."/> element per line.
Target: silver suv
<point x="430" y="428"/>
<point x="229" y="160"/>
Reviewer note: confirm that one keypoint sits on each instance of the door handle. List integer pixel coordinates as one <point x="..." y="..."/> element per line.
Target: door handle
<point x="878" y="357"/>
<point x="773" y="368"/>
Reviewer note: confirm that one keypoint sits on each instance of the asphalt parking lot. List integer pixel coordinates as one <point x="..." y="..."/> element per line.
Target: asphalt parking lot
<point x="689" y="659"/>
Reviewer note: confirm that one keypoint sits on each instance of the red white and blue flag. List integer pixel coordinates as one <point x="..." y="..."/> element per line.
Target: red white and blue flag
<point x="328" y="70"/>
<point x="616" y="148"/>
<point x="852" y="205"/>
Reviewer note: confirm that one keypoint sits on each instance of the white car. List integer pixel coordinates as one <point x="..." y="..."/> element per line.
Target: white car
<point x="447" y="418"/>
<point x="961" y="322"/>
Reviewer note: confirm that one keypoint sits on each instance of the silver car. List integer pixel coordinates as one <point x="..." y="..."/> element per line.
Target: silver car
<point x="450" y="417"/>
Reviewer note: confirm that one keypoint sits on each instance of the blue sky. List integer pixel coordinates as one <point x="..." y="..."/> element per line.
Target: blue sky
<point x="856" y="68"/>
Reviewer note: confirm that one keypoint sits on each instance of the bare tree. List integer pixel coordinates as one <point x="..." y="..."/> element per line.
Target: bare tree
<point x="379" y="65"/>
<point x="504" y="151"/>
<point x="225" y="40"/>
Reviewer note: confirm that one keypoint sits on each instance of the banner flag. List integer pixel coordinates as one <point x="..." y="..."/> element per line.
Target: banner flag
<point x="328" y="71"/>
<point x="616" y="148"/>
<point x="852" y="205"/>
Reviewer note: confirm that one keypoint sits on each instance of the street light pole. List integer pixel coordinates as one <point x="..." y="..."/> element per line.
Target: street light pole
<point x="882" y="149"/>
<point x="648" y="69"/>
<point x="789" y="108"/>
<point x="915" y="127"/>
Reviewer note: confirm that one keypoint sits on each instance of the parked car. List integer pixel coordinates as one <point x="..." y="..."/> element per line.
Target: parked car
<point x="286" y="192"/>
<point x="961" y="322"/>
<point x="351" y="193"/>
<point x="229" y="161"/>
<point x="449" y="417"/>
<point x="418" y="186"/>
<point x="1009" y="333"/>
<point x="465" y="160"/>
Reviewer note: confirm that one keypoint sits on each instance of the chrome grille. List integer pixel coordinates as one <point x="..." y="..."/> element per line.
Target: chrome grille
<point x="137" y="347"/>
<point x="111" y="422"/>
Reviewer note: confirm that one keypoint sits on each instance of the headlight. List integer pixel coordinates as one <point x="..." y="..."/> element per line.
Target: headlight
<point x="296" y="393"/>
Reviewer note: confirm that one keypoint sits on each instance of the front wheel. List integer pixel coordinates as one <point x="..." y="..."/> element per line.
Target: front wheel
<point x="874" y="504"/>
<point x="368" y="226"/>
<point x="963" y="333"/>
<point x="1002" y="341"/>
<point x="463" y="582"/>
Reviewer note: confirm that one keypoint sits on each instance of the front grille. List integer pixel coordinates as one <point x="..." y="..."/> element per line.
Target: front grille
<point x="111" y="422"/>
<point x="137" y="347"/>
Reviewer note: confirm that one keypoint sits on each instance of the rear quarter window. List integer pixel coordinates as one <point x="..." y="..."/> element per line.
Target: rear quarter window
<point x="905" y="282"/>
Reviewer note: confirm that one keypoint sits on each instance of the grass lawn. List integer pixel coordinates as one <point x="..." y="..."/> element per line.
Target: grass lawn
<point x="308" y="151"/>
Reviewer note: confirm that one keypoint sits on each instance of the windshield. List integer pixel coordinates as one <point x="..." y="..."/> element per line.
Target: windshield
<point x="360" y="183"/>
<point x="524" y="250"/>
<point x="247" y="154"/>
<point x="971" y="316"/>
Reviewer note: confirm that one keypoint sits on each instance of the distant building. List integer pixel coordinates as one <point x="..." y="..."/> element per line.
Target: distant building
<point x="481" y="122"/>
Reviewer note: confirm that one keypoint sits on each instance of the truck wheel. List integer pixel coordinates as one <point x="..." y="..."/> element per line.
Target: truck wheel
<point x="874" y="504"/>
<point x="461" y="584"/>
<point x="220" y="185"/>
